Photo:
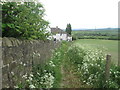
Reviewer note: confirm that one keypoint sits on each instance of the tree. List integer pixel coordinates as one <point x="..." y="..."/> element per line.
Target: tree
<point x="69" y="29"/>
<point x="24" y="20"/>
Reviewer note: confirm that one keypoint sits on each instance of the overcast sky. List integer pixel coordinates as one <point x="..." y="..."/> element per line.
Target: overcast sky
<point x="82" y="13"/>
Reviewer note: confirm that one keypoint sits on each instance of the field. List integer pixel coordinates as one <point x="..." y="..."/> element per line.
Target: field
<point x="109" y="46"/>
<point x="113" y="31"/>
<point x="111" y="34"/>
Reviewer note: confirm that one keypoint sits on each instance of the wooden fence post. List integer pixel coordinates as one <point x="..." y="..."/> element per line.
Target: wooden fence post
<point x="107" y="67"/>
<point x="118" y="59"/>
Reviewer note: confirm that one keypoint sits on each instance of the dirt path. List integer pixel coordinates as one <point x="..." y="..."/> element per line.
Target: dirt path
<point x="69" y="77"/>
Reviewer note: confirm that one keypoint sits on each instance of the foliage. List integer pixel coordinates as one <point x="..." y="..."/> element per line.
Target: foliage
<point x="24" y="20"/>
<point x="74" y="38"/>
<point x="92" y="67"/>
<point x="69" y="29"/>
<point x="98" y="34"/>
<point x="75" y="55"/>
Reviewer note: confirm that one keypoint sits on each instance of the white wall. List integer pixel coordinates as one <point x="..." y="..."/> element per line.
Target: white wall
<point x="58" y="37"/>
<point x="64" y="37"/>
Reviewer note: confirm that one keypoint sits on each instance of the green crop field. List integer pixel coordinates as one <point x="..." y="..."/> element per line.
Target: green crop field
<point x="108" y="46"/>
<point x="113" y="31"/>
<point x="111" y="34"/>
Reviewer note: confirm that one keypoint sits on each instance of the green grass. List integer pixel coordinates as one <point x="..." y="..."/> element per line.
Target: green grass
<point x="113" y="32"/>
<point x="109" y="46"/>
<point x="96" y="34"/>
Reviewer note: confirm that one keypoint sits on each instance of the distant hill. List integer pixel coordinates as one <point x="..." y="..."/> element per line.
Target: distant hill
<point x="96" y="29"/>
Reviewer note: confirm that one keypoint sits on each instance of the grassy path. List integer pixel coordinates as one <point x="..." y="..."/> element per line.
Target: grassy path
<point x="90" y="75"/>
<point x="69" y="77"/>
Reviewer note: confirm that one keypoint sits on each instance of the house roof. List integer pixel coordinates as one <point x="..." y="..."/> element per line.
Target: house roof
<point x="58" y="30"/>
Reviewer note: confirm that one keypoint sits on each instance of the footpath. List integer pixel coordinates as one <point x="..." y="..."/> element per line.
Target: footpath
<point x="69" y="76"/>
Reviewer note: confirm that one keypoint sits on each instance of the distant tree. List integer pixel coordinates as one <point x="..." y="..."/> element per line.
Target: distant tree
<point x="24" y="20"/>
<point x="69" y="29"/>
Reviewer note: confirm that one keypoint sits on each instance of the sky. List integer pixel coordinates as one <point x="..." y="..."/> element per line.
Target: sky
<point x="82" y="14"/>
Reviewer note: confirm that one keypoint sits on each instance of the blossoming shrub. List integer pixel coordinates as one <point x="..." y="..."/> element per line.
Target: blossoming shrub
<point x="90" y="64"/>
<point x="42" y="76"/>
<point x="114" y="81"/>
<point x="93" y="68"/>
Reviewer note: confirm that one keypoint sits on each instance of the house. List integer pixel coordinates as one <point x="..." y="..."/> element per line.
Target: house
<point x="58" y="34"/>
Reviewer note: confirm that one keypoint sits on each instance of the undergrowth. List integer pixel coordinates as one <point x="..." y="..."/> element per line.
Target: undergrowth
<point x="90" y="65"/>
